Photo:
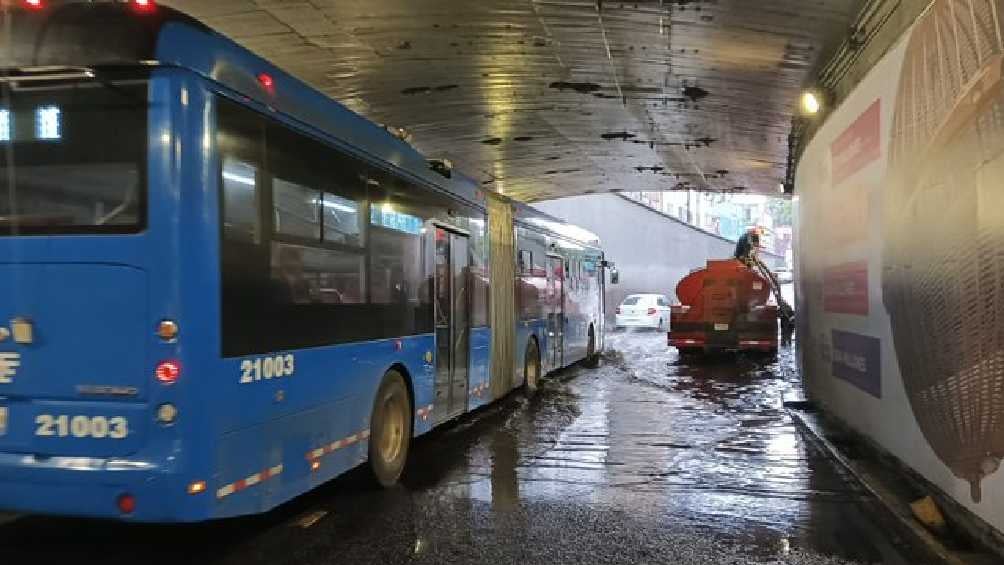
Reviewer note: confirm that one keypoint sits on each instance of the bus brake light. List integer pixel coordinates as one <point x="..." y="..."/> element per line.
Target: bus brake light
<point x="126" y="503"/>
<point x="168" y="372"/>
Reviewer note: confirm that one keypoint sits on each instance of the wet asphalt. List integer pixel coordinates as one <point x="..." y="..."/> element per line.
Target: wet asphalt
<point x="648" y="459"/>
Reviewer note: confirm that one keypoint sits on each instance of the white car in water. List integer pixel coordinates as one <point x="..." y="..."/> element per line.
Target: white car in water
<point x="643" y="311"/>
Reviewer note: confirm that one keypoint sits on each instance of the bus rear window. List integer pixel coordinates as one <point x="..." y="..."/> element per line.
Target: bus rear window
<point x="72" y="156"/>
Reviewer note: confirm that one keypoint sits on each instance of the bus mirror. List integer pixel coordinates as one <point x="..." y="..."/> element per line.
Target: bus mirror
<point x="615" y="276"/>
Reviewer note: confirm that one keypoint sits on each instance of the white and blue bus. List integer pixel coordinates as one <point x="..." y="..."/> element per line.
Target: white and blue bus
<point x="219" y="288"/>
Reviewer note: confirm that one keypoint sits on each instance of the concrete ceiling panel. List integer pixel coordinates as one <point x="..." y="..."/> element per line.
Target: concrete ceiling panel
<point x="548" y="98"/>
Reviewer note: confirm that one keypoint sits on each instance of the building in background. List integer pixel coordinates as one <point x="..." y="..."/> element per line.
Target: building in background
<point x="727" y="215"/>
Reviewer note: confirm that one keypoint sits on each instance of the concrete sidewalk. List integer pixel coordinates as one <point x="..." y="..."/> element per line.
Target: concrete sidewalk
<point x="891" y="491"/>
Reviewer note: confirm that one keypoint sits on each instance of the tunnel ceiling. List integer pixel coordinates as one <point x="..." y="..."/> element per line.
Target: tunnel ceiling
<point x="549" y="98"/>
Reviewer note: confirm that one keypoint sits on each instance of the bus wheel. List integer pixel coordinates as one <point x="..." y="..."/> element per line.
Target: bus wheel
<point x="531" y="368"/>
<point x="592" y="357"/>
<point x="390" y="430"/>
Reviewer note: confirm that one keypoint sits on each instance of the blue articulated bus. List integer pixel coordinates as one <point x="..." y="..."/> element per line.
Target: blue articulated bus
<point x="219" y="288"/>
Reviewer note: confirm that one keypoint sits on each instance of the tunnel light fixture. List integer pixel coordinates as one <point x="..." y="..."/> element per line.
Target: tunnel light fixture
<point x="6" y="126"/>
<point x="48" y="123"/>
<point x="811" y="103"/>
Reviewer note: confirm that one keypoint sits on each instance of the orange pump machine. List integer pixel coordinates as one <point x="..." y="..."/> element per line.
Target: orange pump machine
<point x="724" y="306"/>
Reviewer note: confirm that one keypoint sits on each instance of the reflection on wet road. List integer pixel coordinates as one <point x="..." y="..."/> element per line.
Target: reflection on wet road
<point x="648" y="459"/>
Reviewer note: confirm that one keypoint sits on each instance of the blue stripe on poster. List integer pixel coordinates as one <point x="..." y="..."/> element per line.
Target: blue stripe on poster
<point x="857" y="359"/>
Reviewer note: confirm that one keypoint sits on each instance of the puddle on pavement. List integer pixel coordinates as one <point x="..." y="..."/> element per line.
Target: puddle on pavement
<point x="647" y="459"/>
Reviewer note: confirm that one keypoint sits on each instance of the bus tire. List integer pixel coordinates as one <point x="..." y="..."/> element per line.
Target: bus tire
<point x="592" y="357"/>
<point x="531" y="368"/>
<point x="390" y="430"/>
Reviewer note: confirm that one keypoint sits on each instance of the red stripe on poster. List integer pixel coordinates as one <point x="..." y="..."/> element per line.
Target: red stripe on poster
<point x="845" y="289"/>
<point x="859" y="145"/>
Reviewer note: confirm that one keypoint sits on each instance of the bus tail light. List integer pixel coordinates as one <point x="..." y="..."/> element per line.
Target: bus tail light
<point x="126" y="503"/>
<point x="168" y="372"/>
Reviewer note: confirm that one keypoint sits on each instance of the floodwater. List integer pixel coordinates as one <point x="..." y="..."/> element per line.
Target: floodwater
<point x="648" y="459"/>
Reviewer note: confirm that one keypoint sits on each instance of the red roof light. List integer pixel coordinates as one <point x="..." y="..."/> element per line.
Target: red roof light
<point x="267" y="82"/>
<point x="33" y="4"/>
<point x="143" y="5"/>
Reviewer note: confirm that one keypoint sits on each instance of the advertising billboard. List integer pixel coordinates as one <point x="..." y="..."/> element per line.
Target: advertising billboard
<point x="901" y="216"/>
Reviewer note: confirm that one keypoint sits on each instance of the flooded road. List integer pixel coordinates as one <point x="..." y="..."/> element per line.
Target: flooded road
<point x="648" y="459"/>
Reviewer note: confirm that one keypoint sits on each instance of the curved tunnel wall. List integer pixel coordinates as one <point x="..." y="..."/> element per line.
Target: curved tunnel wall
<point x="652" y="251"/>
<point x="901" y="274"/>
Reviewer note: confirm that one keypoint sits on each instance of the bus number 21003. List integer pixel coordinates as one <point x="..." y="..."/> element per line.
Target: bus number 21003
<point x="267" y="368"/>
<point x="97" y="427"/>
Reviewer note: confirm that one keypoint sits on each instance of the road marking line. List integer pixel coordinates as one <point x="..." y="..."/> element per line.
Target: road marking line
<point x="309" y="519"/>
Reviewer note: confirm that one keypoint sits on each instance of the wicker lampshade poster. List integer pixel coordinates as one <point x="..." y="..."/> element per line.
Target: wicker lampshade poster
<point x="943" y="256"/>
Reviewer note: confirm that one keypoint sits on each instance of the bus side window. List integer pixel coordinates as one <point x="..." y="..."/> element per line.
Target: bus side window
<point x="525" y="261"/>
<point x="479" y="272"/>
<point x="341" y="217"/>
<point x="310" y="275"/>
<point x="240" y="201"/>
<point x="240" y="146"/>
<point x="240" y="142"/>
<point x="296" y="209"/>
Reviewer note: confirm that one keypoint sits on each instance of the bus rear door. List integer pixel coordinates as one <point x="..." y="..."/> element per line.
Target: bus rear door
<point x="452" y="262"/>
<point x="555" y="311"/>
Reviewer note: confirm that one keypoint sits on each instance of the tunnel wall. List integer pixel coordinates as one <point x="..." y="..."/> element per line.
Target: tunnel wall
<point x="900" y="240"/>
<point x="652" y="251"/>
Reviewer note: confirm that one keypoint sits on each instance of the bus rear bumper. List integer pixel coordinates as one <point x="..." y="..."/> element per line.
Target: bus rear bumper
<point x="91" y="487"/>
